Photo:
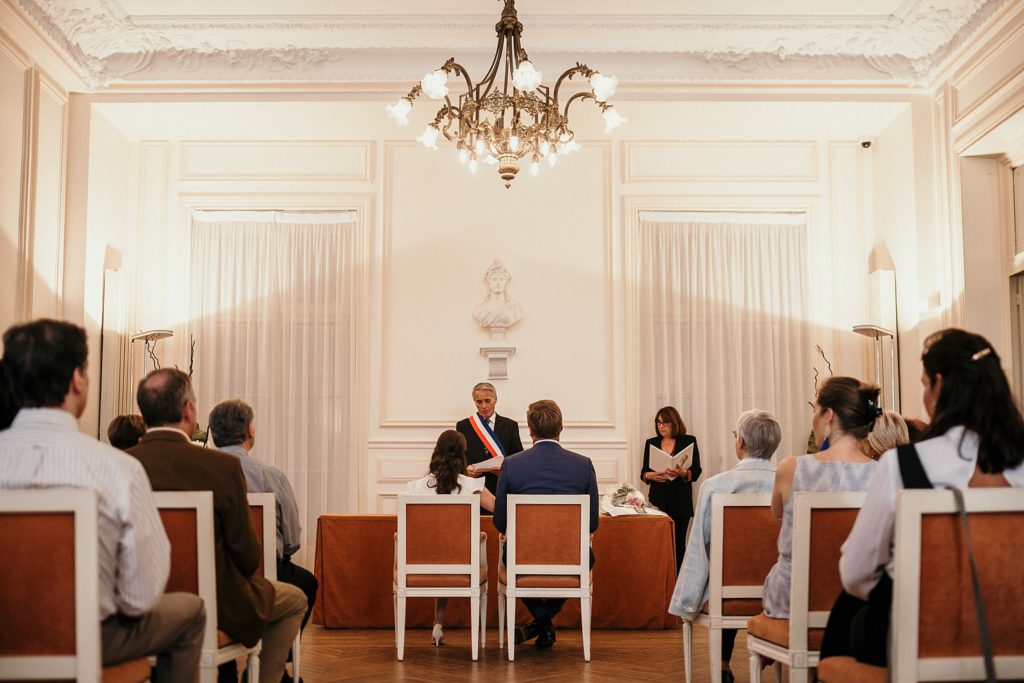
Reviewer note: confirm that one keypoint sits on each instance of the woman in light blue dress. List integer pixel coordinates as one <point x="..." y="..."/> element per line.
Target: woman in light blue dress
<point x="845" y="413"/>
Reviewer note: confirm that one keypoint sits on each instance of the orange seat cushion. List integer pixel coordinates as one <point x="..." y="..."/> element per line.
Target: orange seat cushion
<point x="542" y="580"/>
<point x="777" y="631"/>
<point x="849" y="670"/>
<point x="438" y="580"/>
<point x="132" y="671"/>
<point x="738" y="607"/>
<point x="223" y="639"/>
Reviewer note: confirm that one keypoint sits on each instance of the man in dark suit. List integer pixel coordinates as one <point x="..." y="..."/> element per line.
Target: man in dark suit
<point x="488" y="434"/>
<point x="547" y="468"/>
<point x="249" y="607"/>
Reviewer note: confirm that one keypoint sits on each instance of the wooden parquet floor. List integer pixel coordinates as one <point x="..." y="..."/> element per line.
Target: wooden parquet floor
<point x="369" y="655"/>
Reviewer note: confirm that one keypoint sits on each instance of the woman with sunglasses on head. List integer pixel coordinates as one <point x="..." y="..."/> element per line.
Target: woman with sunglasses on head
<point x="672" y="490"/>
<point x="975" y="439"/>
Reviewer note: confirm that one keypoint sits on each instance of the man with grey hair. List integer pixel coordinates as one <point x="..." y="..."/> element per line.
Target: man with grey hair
<point x="757" y="436"/>
<point x="232" y="430"/>
<point x="488" y="435"/>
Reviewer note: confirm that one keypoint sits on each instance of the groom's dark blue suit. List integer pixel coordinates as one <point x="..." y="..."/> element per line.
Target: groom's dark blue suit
<point x="547" y="468"/>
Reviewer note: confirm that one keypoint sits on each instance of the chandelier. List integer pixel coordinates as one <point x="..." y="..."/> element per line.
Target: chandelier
<point x="508" y="116"/>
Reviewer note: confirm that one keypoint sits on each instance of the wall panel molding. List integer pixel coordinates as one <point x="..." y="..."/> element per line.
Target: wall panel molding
<point x="720" y="160"/>
<point x="387" y="417"/>
<point x="277" y="160"/>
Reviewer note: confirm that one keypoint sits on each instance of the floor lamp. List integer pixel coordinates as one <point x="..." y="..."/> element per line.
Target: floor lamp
<point x="878" y="334"/>
<point x="148" y="337"/>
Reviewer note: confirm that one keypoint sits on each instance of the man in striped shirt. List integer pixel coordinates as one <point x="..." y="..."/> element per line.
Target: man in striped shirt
<point x="44" y="372"/>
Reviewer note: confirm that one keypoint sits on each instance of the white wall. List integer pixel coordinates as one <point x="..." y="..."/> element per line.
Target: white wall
<point x="432" y="229"/>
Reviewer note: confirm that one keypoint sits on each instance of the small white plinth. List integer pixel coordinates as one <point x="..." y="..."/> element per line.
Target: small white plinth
<point x="497" y="360"/>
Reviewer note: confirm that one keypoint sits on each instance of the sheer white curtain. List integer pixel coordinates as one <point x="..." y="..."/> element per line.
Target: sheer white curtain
<point x="724" y="325"/>
<point x="272" y="298"/>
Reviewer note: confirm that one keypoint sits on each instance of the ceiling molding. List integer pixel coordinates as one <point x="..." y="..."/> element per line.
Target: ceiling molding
<point x="114" y="47"/>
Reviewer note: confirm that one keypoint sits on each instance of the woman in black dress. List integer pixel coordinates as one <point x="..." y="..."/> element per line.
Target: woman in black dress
<point x="673" y="496"/>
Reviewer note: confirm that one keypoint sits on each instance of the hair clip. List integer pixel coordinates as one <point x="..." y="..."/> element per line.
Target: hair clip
<point x="981" y="354"/>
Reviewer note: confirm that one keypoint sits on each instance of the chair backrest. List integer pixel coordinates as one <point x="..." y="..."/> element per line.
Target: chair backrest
<point x="744" y="548"/>
<point x="548" y="534"/>
<point x="821" y="523"/>
<point x="934" y="625"/>
<point x="438" y="535"/>
<point x="48" y="593"/>
<point x="188" y="523"/>
<point x="263" y="511"/>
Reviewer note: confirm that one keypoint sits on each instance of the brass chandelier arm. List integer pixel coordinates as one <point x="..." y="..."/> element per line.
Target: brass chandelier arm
<point x="451" y="66"/>
<point x="581" y="96"/>
<point x="578" y="69"/>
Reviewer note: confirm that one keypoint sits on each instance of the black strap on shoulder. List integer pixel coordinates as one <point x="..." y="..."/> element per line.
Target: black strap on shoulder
<point x="911" y="470"/>
<point x="979" y="604"/>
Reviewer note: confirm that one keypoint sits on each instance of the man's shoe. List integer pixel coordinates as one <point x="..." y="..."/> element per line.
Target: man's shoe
<point x="528" y="632"/>
<point x="546" y="637"/>
<point x="727" y="676"/>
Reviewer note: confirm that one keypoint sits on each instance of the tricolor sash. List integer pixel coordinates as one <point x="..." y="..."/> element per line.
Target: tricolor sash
<point x="490" y="441"/>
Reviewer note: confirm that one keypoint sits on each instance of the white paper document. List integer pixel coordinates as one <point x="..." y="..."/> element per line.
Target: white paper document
<point x="659" y="460"/>
<point x="489" y="465"/>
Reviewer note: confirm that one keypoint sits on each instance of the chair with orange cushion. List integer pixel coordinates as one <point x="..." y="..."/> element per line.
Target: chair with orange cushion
<point x="188" y="522"/>
<point x="51" y="541"/>
<point x="439" y="554"/>
<point x="743" y="550"/>
<point x="821" y="523"/>
<point x="263" y="512"/>
<point x="547" y="555"/>
<point x="934" y="628"/>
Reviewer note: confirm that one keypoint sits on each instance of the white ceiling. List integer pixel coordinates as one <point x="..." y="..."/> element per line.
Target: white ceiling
<point x="330" y="41"/>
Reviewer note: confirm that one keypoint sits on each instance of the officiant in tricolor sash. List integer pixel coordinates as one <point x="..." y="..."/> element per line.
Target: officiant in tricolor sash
<point x="488" y="435"/>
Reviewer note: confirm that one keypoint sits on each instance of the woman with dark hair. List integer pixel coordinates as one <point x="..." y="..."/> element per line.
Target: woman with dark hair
<point x="124" y="431"/>
<point x="672" y="490"/>
<point x="447" y="475"/>
<point x="845" y="413"/>
<point x="975" y="439"/>
<point x="8" y="404"/>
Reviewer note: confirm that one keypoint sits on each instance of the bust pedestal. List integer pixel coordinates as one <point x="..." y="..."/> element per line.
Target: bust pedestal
<point x="497" y="360"/>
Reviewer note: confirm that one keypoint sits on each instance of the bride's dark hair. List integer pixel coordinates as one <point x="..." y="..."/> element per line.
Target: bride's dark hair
<point x="448" y="461"/>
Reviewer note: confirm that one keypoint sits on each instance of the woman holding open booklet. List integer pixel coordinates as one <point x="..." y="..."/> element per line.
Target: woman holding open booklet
<point x="671" y="465"/>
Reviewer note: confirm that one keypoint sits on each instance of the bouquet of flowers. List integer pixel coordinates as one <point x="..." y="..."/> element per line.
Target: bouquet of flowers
<point x="626" y="500"/>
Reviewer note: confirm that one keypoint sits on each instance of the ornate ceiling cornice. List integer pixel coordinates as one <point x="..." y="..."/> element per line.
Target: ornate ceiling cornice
<point x="112" y="47"/>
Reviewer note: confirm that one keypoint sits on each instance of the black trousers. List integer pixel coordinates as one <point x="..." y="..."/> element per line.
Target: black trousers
<point x="728" y="643"/>
<point x="860" y="628"/>
<point x="302" y="579"/>
<point x="543" y="610"/>
<point x="681" y="524"/>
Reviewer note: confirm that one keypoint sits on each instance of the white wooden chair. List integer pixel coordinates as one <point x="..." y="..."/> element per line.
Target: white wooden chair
<point x="934" y="631"/>
<point x="821" y="523"/>
<point x="743" y="549"/>
<point x="188" y="521"/>
<point x="48" y="594"/>
<point x="440" y="553"/>
<point x="263" y="510"/>
<point x="547" y="549"/>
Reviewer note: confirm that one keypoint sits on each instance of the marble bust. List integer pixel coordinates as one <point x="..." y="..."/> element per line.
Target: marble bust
<point x="498" y="311"/>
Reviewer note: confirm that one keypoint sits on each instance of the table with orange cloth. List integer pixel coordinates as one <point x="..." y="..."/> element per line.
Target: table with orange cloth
<point x="634" y="574"/>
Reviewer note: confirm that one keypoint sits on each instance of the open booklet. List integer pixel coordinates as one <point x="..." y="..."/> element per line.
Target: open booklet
<point x="659" y="460"/>
<point x="489" y="465"/>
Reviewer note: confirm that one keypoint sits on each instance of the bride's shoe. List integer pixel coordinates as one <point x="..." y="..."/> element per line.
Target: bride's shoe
<point x="437" y="637"/>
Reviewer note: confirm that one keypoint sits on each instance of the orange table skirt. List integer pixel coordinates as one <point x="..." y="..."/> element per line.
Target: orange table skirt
<point x="634" y="574"/>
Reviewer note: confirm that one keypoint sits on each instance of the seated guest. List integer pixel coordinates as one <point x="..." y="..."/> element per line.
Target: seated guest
<point x="757" y="437"/>
<point x="231" y="428"/>
<point x="976" y="439"/>
<point x="844" y="413"/>
<point x="546" y="468"/>
<point x="447" y="475"/>
<point x="124" y="431"/>
<point x="44" y="364"/>
<point x="249" y="607"/>
<point x="915" y="428"/>
<point x="890" y="431"/>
